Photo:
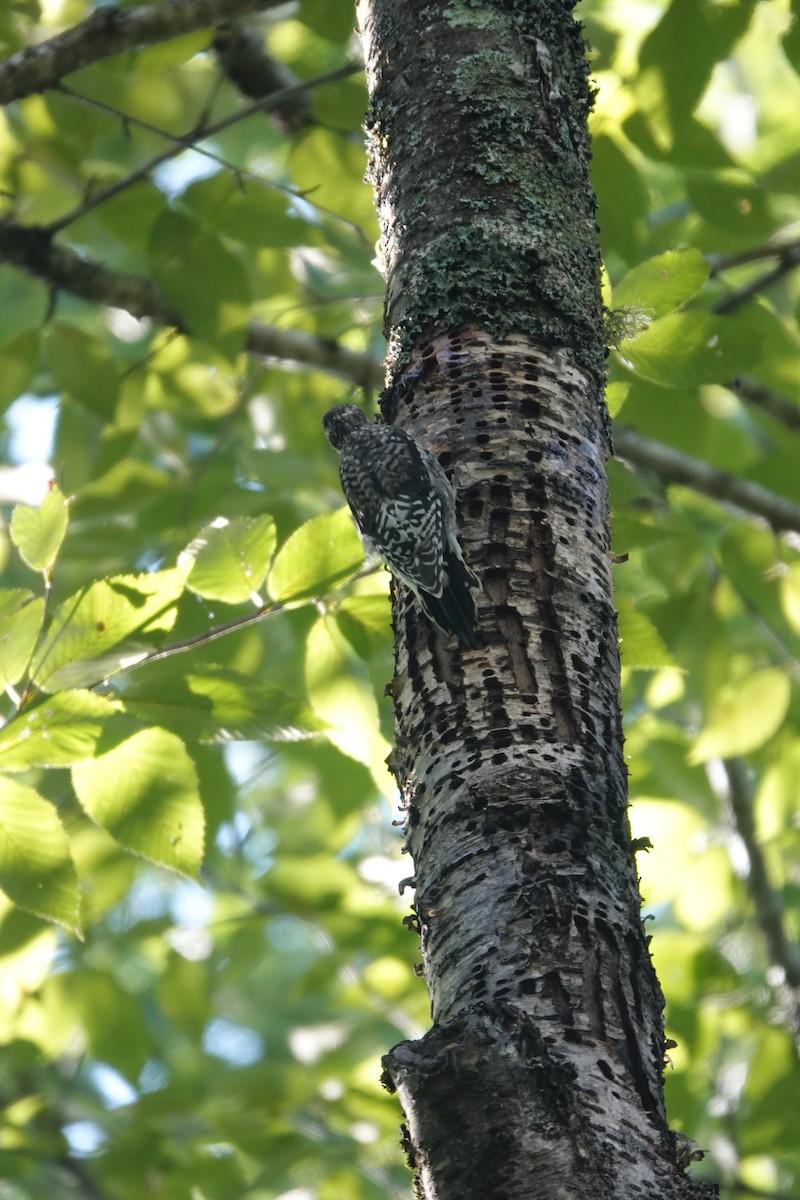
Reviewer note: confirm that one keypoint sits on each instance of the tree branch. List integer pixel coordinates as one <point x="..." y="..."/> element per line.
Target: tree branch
<point x="31" y="249"/>
<point x="245" y="62"/>
<point x="310" y="350"/>
<point x="672" y="466"/>
<point x="110" y="31"/>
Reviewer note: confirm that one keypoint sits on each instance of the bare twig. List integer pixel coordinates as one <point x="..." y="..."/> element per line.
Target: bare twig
<point x="672" y="466"/>
<point x="199" y="639"/>
<point x="109" y="31"/>
<point x="178" y="144"/>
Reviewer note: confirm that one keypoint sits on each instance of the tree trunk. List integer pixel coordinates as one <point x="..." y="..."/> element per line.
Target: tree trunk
<point x="542" y="1074"/>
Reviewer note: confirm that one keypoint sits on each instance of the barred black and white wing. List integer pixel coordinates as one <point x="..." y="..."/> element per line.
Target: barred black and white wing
<point x="404" y="507"/>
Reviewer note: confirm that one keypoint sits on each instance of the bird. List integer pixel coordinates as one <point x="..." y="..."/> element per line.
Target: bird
<point x="404" y="507"/>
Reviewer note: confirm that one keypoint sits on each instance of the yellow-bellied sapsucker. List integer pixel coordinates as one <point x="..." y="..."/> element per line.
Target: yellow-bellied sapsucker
<point x="405" y="511"/>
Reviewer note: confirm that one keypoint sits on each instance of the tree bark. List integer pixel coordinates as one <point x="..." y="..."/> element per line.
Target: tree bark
<point x="542" y="1074"/>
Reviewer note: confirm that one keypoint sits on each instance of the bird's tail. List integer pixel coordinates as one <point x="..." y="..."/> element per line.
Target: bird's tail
<point x="456" y="609"/>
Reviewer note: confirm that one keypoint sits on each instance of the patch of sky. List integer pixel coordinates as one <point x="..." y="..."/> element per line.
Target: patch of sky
<point x="234" y="1044"/>
<point x="30" y="424"/>
<point x="84" y="1137"/>
<point x="153" y="1076"/>
<point x="191" y="904"/>
<point x="174" y="176"/>
<point x="113" y="1088"/>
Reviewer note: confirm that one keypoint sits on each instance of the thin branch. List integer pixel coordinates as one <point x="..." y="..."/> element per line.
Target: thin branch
<point x="199" y="639"/>
<point x="672" y="466"/>
<point x="775" y="406"/>
<point x="787" y="262"/>
<point x="178" y="144"/>
<point x="740" y="258"/>
<point x="31" y="249"/>
<point x="766" y="901"/>
<point x="108" y="31"/>
<point x="311" y="351"/>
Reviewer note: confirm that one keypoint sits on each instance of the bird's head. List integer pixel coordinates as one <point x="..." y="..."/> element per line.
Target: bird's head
<point x="340" y="422"/>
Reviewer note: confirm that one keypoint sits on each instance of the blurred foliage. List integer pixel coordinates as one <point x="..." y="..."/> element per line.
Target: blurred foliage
<point x="217" y="1035"/>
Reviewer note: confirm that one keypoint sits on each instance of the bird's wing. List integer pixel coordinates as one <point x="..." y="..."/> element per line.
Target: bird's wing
<point x="388" y="485"/>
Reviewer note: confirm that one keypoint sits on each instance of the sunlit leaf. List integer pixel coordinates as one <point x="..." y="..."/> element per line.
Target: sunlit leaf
<point x="216" y="704"/>
<point x="230" y="559"/>
<point x="744" y="715"/>
<point x="691" y="348"/>
<point x="145" y="793"/>
<point x="660" y="285"/>
<point x="616" y="395"/>
<point x="106" y="614"/>
<point x="21" y="616"/>
<point x="316" y="558"/>
<point x="62" y="730"/>
<point x="340" y="692"/>
<point x="641" y="645"/>
<point x="36" y="870"/>
<point x="38" y="532"/>
<point x="318" y="881"/>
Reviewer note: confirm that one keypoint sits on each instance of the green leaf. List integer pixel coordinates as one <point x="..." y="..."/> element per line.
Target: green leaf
<point x="616" y="395"/>
<point x="21" y="616"/>
<point x="641" y="645"/>
<point x="63" y="729"/>
<point x="661" y="284"/>
<point x="685" y="350"/>
<point x="242" y="210"/>
<point x="744" y="715"/>
<point x="24" y="303"/>
<point x="84" y="367"/>
<point x="36" y="869"/>
<point x="203" y="279"/>
<point x="144" y="792"/>
<point x="340" y="691"/>
<point x="230" y="559"/>
<point x="732" y="201"/>
<point x="216" y="704"/>
<point x="318" y="557"/>
<point x="91" y="622"/>
<point x="366" y="622"/>
<point x="18" y="361"/>
<point x="38" y="532"/>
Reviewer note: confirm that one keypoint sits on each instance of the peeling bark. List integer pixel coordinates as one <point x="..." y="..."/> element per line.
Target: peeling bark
<point x="542" y="1074"/>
